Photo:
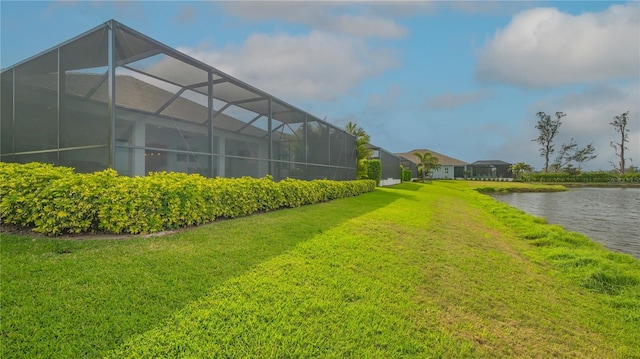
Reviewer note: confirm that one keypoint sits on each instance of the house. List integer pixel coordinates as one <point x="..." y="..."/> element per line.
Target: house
<point x="450" y="168"/>
<point x="115" y="98"/>
<point x="490" y="169"/>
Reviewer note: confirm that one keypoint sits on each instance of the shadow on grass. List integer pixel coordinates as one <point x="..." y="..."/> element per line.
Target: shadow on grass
<point x="405" y="190"/>
<point x="96" y="294"/>
<point x="407" y="186"/>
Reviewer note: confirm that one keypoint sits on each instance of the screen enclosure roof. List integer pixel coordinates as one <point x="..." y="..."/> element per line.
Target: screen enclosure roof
<point x="137" y="54"/>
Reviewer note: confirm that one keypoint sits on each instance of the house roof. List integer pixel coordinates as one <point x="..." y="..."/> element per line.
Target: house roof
<point x="442" y="159"/>
<point x="490" y="163"/>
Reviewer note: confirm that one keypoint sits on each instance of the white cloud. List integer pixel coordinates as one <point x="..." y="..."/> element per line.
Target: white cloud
<point x="317" y="66"/>
<point x="383" y="101"/>
<point x="544" y="48"/>
<point x="186" y="15"/>
<point x="488" y="6"/>
<point x="366" y="25"/>
<point x="450" y="100"/>
<point x="59" y="6"/>
<point x="336" y="17"/>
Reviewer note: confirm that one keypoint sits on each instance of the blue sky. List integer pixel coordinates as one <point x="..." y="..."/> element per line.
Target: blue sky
<point x="465" y="79"/>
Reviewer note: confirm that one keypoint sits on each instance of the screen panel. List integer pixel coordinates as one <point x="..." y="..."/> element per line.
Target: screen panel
<point x="36" y="104"/>
<point x="390" y="165"/>
<point x="351" y="155"/>
<point x="6" y="121"/>
<point x="317" y="142"/>
<point x="50" y="157"/>
<point x="319" y="172"/>
<point x="337" y="147"/>
<point x="235" y="167"/>
<point x="86" y="160"/>
<point x="84" y="121"/>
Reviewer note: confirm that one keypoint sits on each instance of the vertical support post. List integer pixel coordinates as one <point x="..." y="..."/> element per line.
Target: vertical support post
<point x="345" y="145"/>
<point x="306" y="148"/>
<point x="13" y="113"/>
<point x="328" y="143"/>
<point x="58" y="103"/>
<point x="61" y="99"/>
<point x="111" y="90"/>
<point x="342" y="158"/>
<point x="212" y="150"/>
<point x="270" y="139"/>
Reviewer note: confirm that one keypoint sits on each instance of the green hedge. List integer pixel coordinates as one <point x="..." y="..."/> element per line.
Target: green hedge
<point x="55" y="200"/>
<point x="374" y="170"/>
<point x="406" y="174"/>
<point x="584" y="177"/>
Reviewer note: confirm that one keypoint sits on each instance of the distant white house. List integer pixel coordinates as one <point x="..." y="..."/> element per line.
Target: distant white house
<point x="450" y="168"/>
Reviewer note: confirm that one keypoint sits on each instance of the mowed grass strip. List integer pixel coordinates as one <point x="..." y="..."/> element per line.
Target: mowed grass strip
<point x="78" y="298"/>
<point x="431" y="274"/>
<point x="433" y="270"/>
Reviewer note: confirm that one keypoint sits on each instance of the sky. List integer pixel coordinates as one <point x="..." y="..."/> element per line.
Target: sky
<point x="462" y="78"/>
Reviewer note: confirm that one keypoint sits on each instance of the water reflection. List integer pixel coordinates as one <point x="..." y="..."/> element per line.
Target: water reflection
<point x="607" y="215"/>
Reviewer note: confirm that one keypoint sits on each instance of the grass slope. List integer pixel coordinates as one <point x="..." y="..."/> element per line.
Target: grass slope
<point x="433" y="270"/>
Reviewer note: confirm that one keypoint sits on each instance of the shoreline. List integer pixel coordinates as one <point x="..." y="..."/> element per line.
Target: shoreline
<point x="603" y="185"/>
<point x="590" y="184"/>
<point x="582" y="222"/>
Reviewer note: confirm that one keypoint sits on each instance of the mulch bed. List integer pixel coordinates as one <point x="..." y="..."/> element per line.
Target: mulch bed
<point x="9" y="229"/>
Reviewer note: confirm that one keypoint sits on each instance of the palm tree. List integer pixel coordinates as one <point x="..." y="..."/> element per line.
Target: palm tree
<point x="519" y="168"/>
<point x="362" y="152"/>
<point x="428" y="163"/>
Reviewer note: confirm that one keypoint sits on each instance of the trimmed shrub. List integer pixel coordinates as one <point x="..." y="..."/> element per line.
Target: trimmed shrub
<point x="55" y="200"/>
<point x="20" y="187"/>
<point x="406" y="174"/>
<point x="68" y="204"/>
<point x="374" y="170"/>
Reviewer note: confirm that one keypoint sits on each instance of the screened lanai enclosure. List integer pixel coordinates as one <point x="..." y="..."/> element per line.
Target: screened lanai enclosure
<point x="390" y="165"/>
<point x="114" y="98"/>
<point x="490" y="169"/>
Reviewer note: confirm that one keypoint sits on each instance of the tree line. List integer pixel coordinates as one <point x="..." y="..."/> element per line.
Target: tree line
<point x="571" y="153"/>
<point x="569" y="158"/>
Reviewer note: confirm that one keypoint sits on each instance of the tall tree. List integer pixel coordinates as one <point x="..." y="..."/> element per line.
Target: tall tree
<point x="362" y="152"/>
<point x="548" y="130"/>
<point x="573" y="153"/>
<point x="428" y="163"/>
<point x="619" y="123"/>
<point x="519" y="168"/>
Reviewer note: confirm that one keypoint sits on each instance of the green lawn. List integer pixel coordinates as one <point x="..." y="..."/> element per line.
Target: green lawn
<point x="415" y="270"/>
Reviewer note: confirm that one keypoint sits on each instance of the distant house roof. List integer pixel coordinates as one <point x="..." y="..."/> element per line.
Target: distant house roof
<point x="490" y="163"/>
<point x="442" y="159"/>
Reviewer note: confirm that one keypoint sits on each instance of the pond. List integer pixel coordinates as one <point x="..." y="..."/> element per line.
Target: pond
<point x="607" y="215"/>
